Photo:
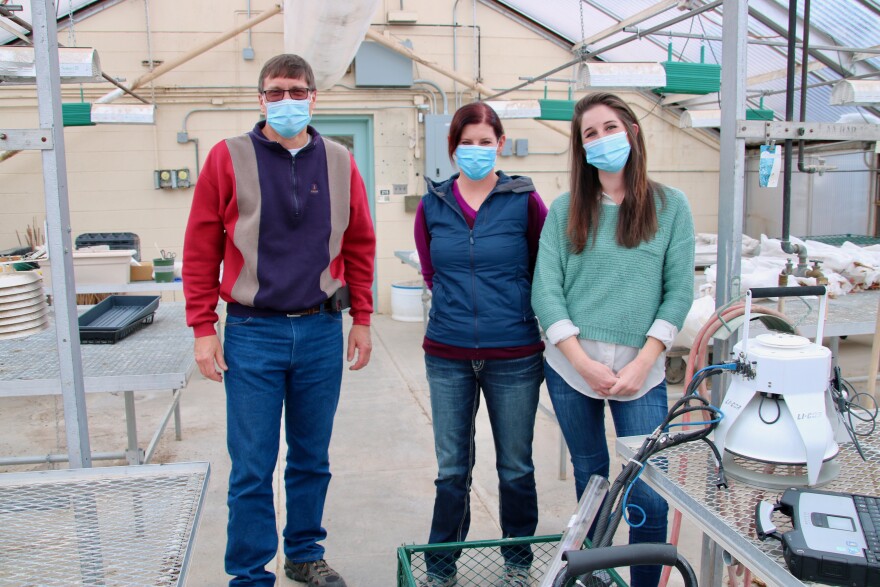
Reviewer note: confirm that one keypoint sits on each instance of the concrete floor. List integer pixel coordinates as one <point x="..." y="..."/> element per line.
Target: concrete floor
<point x="382" y="459"/>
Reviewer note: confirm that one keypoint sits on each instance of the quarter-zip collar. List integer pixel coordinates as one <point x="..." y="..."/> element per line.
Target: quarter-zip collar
<point x="275" y="146"/>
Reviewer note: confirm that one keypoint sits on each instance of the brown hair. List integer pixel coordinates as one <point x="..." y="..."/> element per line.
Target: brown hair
<point x="473" y="113"/>
<point x="287" y="65"/>
<point x="637" y="220"/>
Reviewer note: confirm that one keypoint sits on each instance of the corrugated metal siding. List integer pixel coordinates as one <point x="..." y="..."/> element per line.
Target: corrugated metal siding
<point x="832" y="203"/>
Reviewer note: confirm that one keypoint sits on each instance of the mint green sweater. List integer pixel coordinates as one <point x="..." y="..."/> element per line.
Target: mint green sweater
<point x="614" y="294"/>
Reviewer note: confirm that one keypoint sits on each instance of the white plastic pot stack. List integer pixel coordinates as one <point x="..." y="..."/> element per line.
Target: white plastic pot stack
<point x="23" y="308"/>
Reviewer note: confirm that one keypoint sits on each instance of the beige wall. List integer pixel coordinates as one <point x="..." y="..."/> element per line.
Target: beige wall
<point x="110" y="167"/>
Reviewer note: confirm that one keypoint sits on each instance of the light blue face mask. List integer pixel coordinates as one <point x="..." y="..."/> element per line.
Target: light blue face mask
<point x="610" y="153"/>
<point x="474" y="161"/>
<point x="288" y="117"/>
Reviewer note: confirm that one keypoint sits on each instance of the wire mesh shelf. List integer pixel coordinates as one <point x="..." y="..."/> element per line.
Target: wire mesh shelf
<point x="109" y="526"/>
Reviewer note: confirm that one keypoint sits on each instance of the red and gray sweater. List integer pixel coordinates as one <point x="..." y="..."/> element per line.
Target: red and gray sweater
<point x="288" y="230"/>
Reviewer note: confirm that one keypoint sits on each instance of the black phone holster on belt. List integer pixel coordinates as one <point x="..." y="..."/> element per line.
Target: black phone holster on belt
<point x="340" y="300"/>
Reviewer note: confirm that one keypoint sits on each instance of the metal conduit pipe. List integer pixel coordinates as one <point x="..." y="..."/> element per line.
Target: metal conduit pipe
<point x="786" y="245"/>
<point x="477" y="86"/>
<point x="204" y="47"/>
<point x="183" y="136"/>
<point x="427" y="93"/>
<point x="805" y="72"/>
<point x="437" y="87"/>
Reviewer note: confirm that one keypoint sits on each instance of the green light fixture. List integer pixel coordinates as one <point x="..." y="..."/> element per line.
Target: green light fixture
<point x="77" y="113"/>
<point x="690" y="78"/>
<point x="760" y="113"/>
<point x="557" y="109"/>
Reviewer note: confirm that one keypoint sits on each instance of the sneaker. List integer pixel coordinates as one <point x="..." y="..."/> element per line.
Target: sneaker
<point x="432" y="581"/>
<point x="514" y="577"/>
<point x="316" y="573"/>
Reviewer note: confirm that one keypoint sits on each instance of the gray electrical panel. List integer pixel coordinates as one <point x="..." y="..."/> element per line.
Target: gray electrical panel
<point x="378" y="66"/>
<point x="521" y="147"/>
<point x="437" y="165"/>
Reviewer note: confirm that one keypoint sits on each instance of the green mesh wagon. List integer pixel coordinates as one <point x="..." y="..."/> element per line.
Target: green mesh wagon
<point x="481" y="563"/>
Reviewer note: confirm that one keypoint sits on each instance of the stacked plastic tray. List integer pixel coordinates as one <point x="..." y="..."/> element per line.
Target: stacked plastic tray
<point x="115" y="318"/>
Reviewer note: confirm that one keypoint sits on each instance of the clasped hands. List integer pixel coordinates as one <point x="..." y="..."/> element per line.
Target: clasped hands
<point x="604" y="381"/>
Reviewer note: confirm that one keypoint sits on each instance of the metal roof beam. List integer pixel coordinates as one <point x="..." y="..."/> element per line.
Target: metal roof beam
<point x="863" y="54"/>
<point x="613" y="45"/>
<point x="771" y="22"/>
<point x="869" y="51"/>
<point x="642" y="16"/>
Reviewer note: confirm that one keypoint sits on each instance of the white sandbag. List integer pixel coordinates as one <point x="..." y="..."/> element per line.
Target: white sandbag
<point x="701" y="312"/>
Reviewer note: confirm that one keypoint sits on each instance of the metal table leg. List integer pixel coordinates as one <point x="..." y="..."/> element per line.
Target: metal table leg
<point x="178" y="431"/>
<point x="133" y="453"/>
<point x="711" y="572"/>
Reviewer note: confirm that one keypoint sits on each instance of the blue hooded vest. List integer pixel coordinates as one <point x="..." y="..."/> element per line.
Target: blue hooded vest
<point x="482" y="285"/>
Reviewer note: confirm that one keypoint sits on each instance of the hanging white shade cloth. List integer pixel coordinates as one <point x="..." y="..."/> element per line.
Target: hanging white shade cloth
<point x="327" y="34"/>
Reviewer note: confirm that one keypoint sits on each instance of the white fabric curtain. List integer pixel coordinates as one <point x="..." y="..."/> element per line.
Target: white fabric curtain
<point x="327" y="34"/>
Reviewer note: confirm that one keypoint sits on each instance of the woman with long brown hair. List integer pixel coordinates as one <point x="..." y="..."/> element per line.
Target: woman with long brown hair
<point x="613" y="284"/>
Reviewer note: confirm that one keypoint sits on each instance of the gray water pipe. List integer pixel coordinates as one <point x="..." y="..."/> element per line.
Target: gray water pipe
<point x="183" y="136"/>
<point x="437" y="87"/>
<point x="787" y="246"/>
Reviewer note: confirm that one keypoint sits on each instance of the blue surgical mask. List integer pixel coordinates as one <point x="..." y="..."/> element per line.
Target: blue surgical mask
<point x="288" y="117"/>
<point x="610" y="153"/>
<point x="474" y="161"/>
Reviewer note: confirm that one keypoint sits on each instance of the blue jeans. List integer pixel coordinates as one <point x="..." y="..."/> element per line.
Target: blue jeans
<point x="278" y="365"/>
<point x="510" y="387"/>
<point x="582" y="420"/>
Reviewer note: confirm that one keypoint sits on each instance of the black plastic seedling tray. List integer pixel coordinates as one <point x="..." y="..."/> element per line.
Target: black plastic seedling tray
<point x="115" y="318"/>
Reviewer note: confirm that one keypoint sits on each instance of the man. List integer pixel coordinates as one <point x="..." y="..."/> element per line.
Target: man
<point x="285" y="212"/>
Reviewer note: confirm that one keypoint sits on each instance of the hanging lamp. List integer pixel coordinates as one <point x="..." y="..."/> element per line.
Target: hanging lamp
<point x="683" y="77"/>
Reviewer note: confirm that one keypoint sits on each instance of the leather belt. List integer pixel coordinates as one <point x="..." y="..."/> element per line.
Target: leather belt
<point x="235" y="309"/>
<point x="325" y="306"/>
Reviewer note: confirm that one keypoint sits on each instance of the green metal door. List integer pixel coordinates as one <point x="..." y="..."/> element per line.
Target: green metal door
<point x="356" y="133"/>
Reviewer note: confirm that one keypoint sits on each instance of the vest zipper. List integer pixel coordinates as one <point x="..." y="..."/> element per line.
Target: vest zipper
<point x="474" y="286"/>
<point x="458" y="211"/>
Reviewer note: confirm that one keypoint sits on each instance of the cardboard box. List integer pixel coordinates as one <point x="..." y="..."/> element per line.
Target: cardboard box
<point x="142" y="272"/>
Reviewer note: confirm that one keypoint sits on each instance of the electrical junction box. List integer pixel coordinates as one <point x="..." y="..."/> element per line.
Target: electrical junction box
<point x="171" y="178"/>
<point x="411" y="203"/>
<point x="437" y="164"/>
<point x="378" y="66"/>
<point x="402" y="17"/>
<point x="507" y="149"/>
<point x="162" y="178"/>
<point x="521" y="147"/>
<point x="180" y="179"/>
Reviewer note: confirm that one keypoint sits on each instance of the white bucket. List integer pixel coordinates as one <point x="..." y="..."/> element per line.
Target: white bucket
<point x="406" y="301"/>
